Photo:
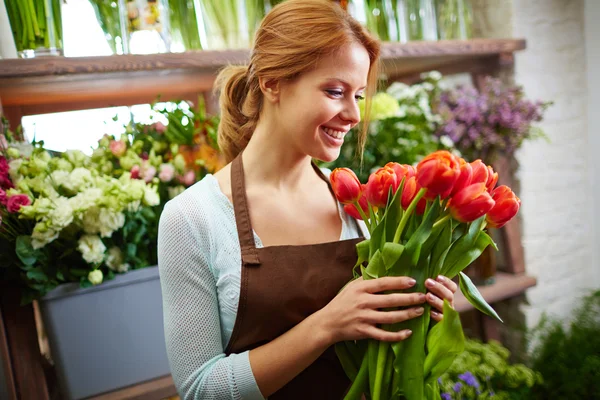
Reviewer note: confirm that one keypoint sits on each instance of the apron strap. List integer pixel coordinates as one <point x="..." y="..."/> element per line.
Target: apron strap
<point x="242" y="216"/>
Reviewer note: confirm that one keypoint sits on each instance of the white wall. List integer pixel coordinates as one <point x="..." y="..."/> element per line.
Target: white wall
<point x="555" y="177"/>
<point x="592" y="50"/>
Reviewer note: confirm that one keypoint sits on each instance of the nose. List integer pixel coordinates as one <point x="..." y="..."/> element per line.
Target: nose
<point x="351" y="113"/>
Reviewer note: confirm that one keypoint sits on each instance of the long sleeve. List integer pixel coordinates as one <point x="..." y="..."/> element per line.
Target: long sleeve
<point x="199" y="366"/>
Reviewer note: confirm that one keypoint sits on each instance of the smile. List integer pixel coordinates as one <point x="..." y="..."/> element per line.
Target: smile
<point x="333" y="133"/>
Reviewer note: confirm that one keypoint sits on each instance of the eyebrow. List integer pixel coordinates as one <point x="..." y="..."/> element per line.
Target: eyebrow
<point x="345" y="83"/>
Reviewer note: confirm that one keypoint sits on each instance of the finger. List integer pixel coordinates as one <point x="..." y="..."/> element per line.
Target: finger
<point x="436" y="315"/>
<point x="392" y="317"/>
<point x="394" y="300"/>
<point x="449" y="283"/>
<point x="440" y="290"/>
<point x="435" y="302"/>
<point x="385" y="336"/>
<point x="389" y="283"/>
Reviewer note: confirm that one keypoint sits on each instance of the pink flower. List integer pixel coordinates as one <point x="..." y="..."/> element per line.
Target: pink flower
<point x="118" y="147"/>
<point x="15" y="202"/>
<point x="135" y="172"/>
<point x="159" y="127"/>
<point x="167" y="171"/>
<point x="148" y="173"/>
<point x="3" y="166"/>
<point x="3" y="197"/>
<point x="3" y="142"/>
<point x="189" y="178"/>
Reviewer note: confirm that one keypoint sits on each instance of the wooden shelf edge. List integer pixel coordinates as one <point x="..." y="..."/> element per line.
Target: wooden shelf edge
<point x="156" y="389"/>
<point x="214" y="59"/>
<point x="505" y="286"/>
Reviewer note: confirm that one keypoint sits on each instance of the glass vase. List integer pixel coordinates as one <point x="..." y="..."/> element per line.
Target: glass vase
<point x="420" y="19"/>
<point x="231" y="24"/>
<point x="147" y="24"/>
<point x="455" y="19"/>
<point x="36" y="27"/>
<point x="379" y="17"/>
<point x="113" y="24"/>
<point x="185" y="30"/>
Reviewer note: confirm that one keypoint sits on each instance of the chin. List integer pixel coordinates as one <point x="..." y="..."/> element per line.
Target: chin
<point x="328" y="155"/>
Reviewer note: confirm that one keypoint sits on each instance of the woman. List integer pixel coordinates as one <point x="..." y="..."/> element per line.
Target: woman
<point x="252" y="258"/>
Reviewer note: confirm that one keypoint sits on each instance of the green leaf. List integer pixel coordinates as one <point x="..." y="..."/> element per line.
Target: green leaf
<point x="471" y="293"/>
<point x="440" y="250"/>
<point x="25" y="251"/>
<point x="85" y="283"/>
<point x="469" y="255"/>
<point x="343" y="354"/>
<point x="445" y="342"/>
<point x="462" y="245"/>
<point x="393" y="214"/>
<point x="376" y="267"/>
<point x="391" y="254"/>
<point x="79" y="272"/>
<point x="37" y="274"/>
<point x="372" y="352"/>
<point x="130" y="250"/>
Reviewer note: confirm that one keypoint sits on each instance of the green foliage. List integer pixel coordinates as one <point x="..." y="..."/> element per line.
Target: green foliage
<point x="569" y="359"/>
<point x="482" y="371"/>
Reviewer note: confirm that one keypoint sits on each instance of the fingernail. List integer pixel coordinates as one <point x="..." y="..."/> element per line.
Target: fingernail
<point x="407" y="332"/>
<point x="430" y="296"/>
<point x="412" y="282"/>
<point x="419" y="310"/>
<point x="440" y="278"/>
<point x="430" y="283"/>
<point x="435" y="313"/>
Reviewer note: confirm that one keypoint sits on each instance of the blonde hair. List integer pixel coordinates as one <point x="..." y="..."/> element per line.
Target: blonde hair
<point x="291" y="39"/>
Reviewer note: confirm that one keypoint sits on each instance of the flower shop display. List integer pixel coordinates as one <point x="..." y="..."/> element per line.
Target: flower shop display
<point x="36" y="26"/>
<point x="148" y="26"/>
<point x="483" y="371"/>
<point x="420" y="19"/>
<point x="491" y="122"/>
<point x="231" y="24"/>
<point x="423" y="222"/>
<point x="454" y="19"/>
<point x="403" y="128"/>
<point x="185" y="30"/>
<point x="108" y="14"/>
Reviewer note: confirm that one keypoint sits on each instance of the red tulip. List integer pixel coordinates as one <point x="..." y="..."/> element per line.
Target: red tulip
<point x="402" y="171"/>
<point x="471" y="203"/>
<point x="438" y="173"/>
<point x="353" y="211"/>
<point x="480" y="172"/>
<point x="464" y="179"/>
<point x="492" y="179"/>
<point x="411" y="188"/>
<point x="379" y="186"/>
<point x="506" y="207"/>
<point x="346" y="186"/>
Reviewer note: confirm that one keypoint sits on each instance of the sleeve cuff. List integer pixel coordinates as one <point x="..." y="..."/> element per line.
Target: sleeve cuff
<point x="244" y="377"/>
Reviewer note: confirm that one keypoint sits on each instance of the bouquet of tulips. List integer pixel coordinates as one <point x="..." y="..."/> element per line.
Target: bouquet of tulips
<point x="423" y="222"/>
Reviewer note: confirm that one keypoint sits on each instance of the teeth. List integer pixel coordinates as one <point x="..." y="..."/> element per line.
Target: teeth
<point x="332" y="133"/>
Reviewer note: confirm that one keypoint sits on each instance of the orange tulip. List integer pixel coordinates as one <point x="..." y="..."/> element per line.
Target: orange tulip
<point x="402" y="171"/>
<point x="346" y="186"/>
<point x="411" y="188"/>
<point x="379" y="184"/>
<point x="480" y="172"/>
<point x="471" y="203"/>
<point x="438" y="173"/>
<point x="464" y="179"/>
<point x="353" y="211"/>
<point x="506" y="207"/>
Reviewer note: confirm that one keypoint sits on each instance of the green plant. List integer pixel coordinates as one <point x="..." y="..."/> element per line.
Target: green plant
<point x="108" y="16"/>
<point x="35" y="23"/>
<point x="402" y="128"/>
<point x="569" y="359"/>
<point x="483" y="371"/>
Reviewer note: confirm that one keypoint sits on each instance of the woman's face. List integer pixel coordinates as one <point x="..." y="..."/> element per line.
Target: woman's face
<point x="317" y="109"/>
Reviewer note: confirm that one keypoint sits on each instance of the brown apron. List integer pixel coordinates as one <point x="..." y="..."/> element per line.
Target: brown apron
<point x="282" y="285"/>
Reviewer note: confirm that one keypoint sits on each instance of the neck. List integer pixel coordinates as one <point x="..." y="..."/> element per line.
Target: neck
<point x="271" y="159"/>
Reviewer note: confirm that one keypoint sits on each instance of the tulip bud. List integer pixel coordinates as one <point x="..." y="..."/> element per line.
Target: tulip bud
<point x="346" y="186"/>
<point x="379" y="185"/>
<point x="480" y="172"/>
<point x="506" y="207"/>
<point x="411" y="188"/>
<point x="364" y="205"/>
<point x="464" y="179"/>
<point x="402" y="171"/>
<point x="438" y="173"/>
<point x="470" y="203"/>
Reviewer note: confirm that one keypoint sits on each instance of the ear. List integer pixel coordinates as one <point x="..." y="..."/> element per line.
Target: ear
<point x="270" y="89"/>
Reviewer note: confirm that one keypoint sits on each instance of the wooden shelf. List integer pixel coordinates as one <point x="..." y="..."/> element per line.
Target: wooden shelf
<point x="54" y="84"/>
<point x="505" y="286"/>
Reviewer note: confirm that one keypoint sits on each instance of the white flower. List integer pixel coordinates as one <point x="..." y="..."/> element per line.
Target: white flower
<point x="60" y="178"/>
<point x="75" y="157"/>
<point x="62" y="214"/>
<point x="134" y="206"/>
<point x="109" y="221"/>
<point x="79" y="179"/>
<point x="446" y="141"/>
<point x="114" y="260"/>
<point x="41" y="235"/>
<point x="86" y="199"/>
<point x="13" y="170"/>
<point x="174" y="191"/>
<point x="95" y="277"/>
<point x="90" y="220"/>
<point x="91" y="248"/>
<point x="151" y="198"/>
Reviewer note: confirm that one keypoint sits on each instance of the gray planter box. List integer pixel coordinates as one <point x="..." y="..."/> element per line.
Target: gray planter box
<point x="106" y="337"/>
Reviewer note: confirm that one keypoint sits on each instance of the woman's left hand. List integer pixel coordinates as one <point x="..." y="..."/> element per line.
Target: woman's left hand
<point x="440" y="289"/>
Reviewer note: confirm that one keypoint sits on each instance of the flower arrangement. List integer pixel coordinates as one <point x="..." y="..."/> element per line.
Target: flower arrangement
<point x="495" y="121"/>
<point x="482" y="371"/>
<point x="403" y="128"/>
<point x="62" y="220"/>
<point x="423" y="222"/>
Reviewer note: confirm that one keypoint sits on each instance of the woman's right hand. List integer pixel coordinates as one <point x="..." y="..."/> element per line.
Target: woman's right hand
<point x="356" y="311"/>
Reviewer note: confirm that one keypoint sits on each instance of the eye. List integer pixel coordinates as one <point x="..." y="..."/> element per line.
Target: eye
<point x="359" y="97"/>
<point x="335" y="92"/>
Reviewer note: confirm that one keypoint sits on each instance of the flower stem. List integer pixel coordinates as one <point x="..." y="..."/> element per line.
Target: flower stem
<point x="381" y="362"/>
<point x="441" y="221"/>
<point x="363" y="215"/>
<point x="407" y="214"/>
<point x="360" y="382"/>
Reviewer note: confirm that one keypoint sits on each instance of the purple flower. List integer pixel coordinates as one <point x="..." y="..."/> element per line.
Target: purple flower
<point x="440" y="381"/>
<point x="469" y="379"/>
<point x="457" y="387"/>
<point x="446" y="396"/>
